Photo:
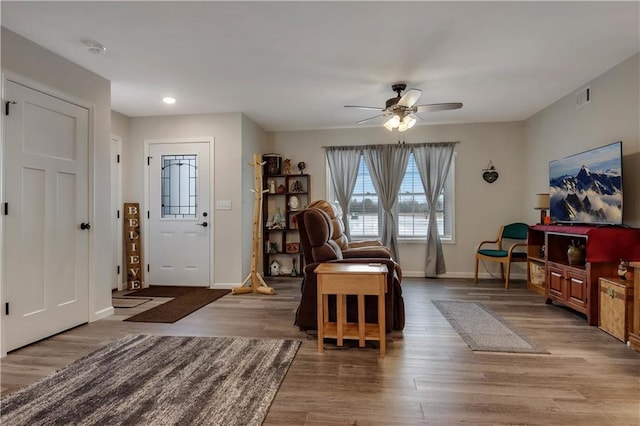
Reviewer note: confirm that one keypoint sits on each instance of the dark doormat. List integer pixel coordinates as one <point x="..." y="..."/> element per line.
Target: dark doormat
<point x="179" y="307"/>
<point x="163" y="291"/>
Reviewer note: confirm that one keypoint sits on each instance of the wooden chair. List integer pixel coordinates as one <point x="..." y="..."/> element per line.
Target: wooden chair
<point x="513" y="231"/>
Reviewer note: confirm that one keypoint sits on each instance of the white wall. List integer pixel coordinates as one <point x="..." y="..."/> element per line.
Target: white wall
<point x="481" y="208"/>
<point x="39" y="65"/>
<point x="561" y="129"/>
<point x="226" y="129"/>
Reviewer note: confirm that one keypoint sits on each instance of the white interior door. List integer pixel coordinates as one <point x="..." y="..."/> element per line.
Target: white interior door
<point x="179" y="214"/>
<point x="46" y="279"/>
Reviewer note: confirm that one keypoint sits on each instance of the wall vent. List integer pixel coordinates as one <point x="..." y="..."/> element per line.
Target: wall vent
<point x="583" y="97"/>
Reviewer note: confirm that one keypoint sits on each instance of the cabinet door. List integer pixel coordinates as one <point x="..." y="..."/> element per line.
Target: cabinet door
<point x="555" y="281"/>
<point x="577" y="285"/>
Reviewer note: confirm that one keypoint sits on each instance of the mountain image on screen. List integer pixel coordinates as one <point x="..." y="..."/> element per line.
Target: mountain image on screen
<point x="590" y="192"/>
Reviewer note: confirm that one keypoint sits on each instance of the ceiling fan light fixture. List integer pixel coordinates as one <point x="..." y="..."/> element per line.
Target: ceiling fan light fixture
<point x="409" y="121"/>
<point x="388" y="125"/>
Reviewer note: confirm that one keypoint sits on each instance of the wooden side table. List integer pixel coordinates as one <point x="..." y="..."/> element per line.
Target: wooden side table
<point x="342" y="279"/>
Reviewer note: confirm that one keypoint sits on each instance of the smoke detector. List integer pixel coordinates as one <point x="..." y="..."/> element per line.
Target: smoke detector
<point x="95" y="47"/>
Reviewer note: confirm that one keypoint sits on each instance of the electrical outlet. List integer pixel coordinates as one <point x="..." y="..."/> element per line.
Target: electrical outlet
<point x="223" y="205"/>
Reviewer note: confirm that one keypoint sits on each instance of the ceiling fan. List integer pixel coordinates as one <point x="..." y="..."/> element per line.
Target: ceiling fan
<point x="401" y="108"/>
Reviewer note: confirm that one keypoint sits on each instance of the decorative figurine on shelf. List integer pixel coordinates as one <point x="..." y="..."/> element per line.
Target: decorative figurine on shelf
<point x="281" y="189"/>
<point x="274" y="267"/>
<point x="287" y="166"/>
<point x="622" y="270"/>
<point x="273" y="247"/>
<point x="294" y="272"/>
<point x="278" y="221"/>
<point x="301" y="166"/>
<point x="297" y="186"/>
<point x="272" y="187"/>
<point x="294" y="203"/>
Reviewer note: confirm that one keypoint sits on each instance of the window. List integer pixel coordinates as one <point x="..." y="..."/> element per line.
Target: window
<point x="365" y="213"/>
<point x="179" y="182"/>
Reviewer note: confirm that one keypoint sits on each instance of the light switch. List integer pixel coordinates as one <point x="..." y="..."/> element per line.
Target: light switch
<point x="223" y="205"/>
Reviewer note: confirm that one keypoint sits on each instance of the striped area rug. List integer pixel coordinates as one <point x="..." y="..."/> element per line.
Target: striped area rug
<point x="159" y="380"/>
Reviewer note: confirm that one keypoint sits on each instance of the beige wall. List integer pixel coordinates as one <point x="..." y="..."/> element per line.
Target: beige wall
<point x="120" y="126"/>
<point x="48" y="70"/>
<point x="254" y="140"/>
<point x="561" y="129"/>
<point x="480" y="207"/>
<point x="226" y="129"/>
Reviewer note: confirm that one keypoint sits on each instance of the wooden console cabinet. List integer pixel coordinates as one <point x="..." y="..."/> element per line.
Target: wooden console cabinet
<point x="634" y="334"/>
<point x="576" y="286"/>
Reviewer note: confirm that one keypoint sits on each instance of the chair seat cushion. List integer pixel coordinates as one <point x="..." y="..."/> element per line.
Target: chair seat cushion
<point x="501" y="253"/>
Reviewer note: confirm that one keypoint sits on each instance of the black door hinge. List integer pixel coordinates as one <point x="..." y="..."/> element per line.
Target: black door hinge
<point x="6" y="308"/>
<point x="117" y="214"/>
<point x="148" y="269"/>
<point x="118" y="269"/>
<point x="148" y="214"/>
<point x="6" y="209"/>
<point x="148" y="161"/>
<point x="6" y="106"/>
<point x="118" y="158"/>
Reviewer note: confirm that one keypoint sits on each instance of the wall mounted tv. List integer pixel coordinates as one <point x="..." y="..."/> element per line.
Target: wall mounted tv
<point x="586" y="188"/>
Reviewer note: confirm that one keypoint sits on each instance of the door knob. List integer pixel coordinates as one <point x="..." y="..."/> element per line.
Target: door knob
<point x="84" y="226"/>
<point x="203" y="224"/>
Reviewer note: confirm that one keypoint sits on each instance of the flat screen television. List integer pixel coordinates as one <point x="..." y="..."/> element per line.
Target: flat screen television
<point x="586" y="188"/>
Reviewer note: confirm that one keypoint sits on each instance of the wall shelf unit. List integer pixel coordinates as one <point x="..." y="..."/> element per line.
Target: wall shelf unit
<point x="286" y="196"/>
<point x="576" y="285"/>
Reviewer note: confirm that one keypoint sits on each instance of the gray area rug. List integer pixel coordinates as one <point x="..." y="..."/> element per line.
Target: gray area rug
<point x="159" y="380"/>
<point x="484" y="330"/>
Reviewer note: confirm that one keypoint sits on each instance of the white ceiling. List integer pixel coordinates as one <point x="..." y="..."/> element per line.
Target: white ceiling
<point x="294" y="65"/>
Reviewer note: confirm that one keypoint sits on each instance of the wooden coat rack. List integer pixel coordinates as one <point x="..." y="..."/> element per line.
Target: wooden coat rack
<point x="257" y="282"/>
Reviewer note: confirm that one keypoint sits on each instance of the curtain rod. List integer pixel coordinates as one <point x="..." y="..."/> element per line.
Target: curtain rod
<point x="385" y="144"/>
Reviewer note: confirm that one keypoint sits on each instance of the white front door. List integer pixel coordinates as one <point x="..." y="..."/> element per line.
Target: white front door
<point x="46" y="279"/>
<point x="179" y="214"/>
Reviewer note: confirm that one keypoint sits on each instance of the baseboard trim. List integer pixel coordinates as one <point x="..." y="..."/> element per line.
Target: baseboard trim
<point x="103" y="313"/>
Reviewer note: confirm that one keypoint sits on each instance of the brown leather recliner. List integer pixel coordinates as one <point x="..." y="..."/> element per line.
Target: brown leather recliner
<point x="350" y="249"/>
<point x="316" y="228"/>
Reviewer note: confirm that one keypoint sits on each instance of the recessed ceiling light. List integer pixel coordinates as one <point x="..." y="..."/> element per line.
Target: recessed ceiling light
<point x="169" y="100"/>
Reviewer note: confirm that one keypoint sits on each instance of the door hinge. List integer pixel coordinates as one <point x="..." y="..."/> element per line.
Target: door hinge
<point x="117" y="214"/>
<point x="6" y="308"/>
<point x="148" y="269"/>
<point x="6" y="209"/>
<point x="6" y="106"/>
<point x="118" y="269"/>
<point x="117" y="158"/>
<point x="148" y="161"/>
<point x="148" y="214"/>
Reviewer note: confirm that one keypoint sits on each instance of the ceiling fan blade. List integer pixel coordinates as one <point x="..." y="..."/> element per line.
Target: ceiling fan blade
<point x="371" y="118"/>
<point x="410" y="97"/>
<point x="364" y="107"/>
<point x="438" y="107"/>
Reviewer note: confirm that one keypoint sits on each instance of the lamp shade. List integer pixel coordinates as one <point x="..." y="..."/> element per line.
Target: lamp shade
<point x="542" y="202"/>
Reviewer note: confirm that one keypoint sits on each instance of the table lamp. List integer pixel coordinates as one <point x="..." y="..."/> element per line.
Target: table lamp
<point x="542" y="204"/>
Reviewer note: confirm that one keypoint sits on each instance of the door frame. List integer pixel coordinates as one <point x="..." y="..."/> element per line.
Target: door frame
<point x="146" y="205"/>
<point x="116" y="195"/>
<point x="6" y="76"/>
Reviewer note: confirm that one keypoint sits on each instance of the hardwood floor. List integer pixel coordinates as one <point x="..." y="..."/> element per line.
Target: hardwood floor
<point x="429" y="375"/>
